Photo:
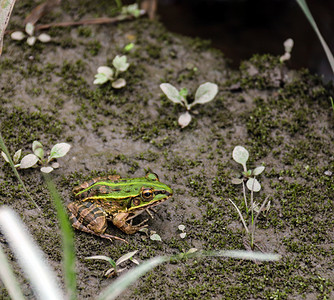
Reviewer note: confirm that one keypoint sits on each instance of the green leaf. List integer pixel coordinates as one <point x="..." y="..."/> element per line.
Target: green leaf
<point x="8" y="278"/>
<point x="67" y="240"/>
<point x="240" y="155"/>
<point x="242" y="254"/>
<point x="184" y="119"/>
<point x="183" y="93"/>
<point x="5" y="150"/>
<point x="205" y="93"/>
<point x="183" y="235"/>
<point x="29" y="256"/>
<point x="309" y="16"/>
<point x="120" y="63"/>
<point x="17" y="36"/>
<point x="17" y="156"/>
<point x="258" y="170"/>
<point x="105" y="258"/>
<point x="125" y="257"/>
<point x="236" y="181"/>
<point x="46" y="169"/>
<point x="31" y="40"/>
<point x="5" y="12"/>
<point x="37" y="148"/>
<point x="120" y="284"/>
<point x="129" y="47"/>
<point x="5" y="156"/>
<point x="100" y="78"/>
<point x="253" y="184"/>
<point x="119" y="83"/>
<point x="30" y="29"/>
<point x="155" y="237"/>
<point x="107" y="71"/>
<point x="181" y="227"/>
<point x="171" y="92"/>
<point x="29" y="161"/>
<point x="59" y="150"/>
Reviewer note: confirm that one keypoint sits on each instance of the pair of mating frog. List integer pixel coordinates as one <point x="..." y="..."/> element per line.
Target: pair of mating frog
<point x="116" y="199"/>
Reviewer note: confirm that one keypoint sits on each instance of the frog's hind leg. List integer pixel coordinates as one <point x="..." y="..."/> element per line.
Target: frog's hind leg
<point x="89" y="218"/>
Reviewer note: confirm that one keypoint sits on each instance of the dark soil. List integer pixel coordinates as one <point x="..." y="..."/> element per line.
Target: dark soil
<point x="283" y="117"/>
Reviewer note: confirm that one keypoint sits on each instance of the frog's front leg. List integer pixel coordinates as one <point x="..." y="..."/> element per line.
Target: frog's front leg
<point x="120" y="221"/>
<point x="90" y="218"/>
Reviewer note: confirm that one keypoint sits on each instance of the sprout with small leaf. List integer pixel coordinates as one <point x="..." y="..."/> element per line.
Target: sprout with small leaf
<point x="182" y="228"/>
<point x="114" y="270"/>
<point x="105" y="74"/>
<point x="131" y="10"/>
<point x="205" y="93"/>
<point x="288" y="45"/>
<point x="241" y="155"/>
<point x="31" y="160"/>
<point x="31" y="40"/>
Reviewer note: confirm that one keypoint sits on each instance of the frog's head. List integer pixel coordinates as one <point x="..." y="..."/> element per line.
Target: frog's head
<point x="151" y="193"/>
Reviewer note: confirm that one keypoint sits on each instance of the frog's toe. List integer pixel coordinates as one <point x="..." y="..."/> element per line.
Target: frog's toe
<point x="112" y="237"/>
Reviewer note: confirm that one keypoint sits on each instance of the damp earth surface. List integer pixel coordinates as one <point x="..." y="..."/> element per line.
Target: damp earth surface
<point x="282" y="116"/>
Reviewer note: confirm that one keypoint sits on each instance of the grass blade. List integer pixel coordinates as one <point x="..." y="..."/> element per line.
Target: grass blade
<point x="8" y="278"/>
<point x="30" y="257"/>
<point x="242" y="254"/>
<point x="67" y="239"/>
<point x="240" y="215"/>
<point x="120" y="284"/>
<point x="305" y="9"/>
<point x="5" y="150"/>
<point x="5" y="12"/>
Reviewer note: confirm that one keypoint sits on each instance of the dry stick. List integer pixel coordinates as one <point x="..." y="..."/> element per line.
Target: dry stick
<point x="84" y="22"/>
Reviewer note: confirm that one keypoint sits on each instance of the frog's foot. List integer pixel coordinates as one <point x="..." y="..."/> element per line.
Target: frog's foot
<point x="89" y="218"/>
<point x="128" y="228"/>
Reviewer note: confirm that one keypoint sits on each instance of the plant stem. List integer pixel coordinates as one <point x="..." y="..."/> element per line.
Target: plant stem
<point x="252" y="216"/>
<point x="245" y="198"/>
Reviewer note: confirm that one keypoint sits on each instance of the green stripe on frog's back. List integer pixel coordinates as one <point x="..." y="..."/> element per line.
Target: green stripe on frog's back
<point x="121" y="189"/>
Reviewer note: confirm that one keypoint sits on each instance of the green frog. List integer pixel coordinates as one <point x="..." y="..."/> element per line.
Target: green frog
<point x="116" y="199"/>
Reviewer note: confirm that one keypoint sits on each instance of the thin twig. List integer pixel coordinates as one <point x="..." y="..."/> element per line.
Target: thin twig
<point x="84" y="22"/>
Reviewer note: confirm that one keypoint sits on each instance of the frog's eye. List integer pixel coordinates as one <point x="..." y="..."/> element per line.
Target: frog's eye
<point x="147" y="194"/>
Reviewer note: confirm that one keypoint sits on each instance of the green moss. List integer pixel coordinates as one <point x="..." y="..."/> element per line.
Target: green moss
<point x="93" y="47"/>
<point x="20" y="128"/>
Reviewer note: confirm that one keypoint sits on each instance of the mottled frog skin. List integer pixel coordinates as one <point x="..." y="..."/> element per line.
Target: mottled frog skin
<point x="116" y="199"/>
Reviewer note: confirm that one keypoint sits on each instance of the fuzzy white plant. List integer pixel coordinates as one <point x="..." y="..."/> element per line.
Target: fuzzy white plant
<point x="204" y="94"/>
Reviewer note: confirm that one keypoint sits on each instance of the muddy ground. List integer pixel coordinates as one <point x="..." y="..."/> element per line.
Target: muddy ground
<point x="283" y="117"/>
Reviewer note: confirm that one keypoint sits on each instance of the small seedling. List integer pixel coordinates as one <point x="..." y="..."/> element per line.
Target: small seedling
<point x="31" y="160"/>
<point x="114" y="270"/>
<point x="182" y="228"/>
<point x="31" y="40"/>
<point x="152" y="234"/>
<point x="16" y="157"/>
<point x="155" y="237"/>
<point x="205" y="93"/>
<point x="288" y="45"/>
<point x="129" y="47"/>
<point x="241" y="155"/>
<point x="105" y="74"/>
<point x="131" y="10"/>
